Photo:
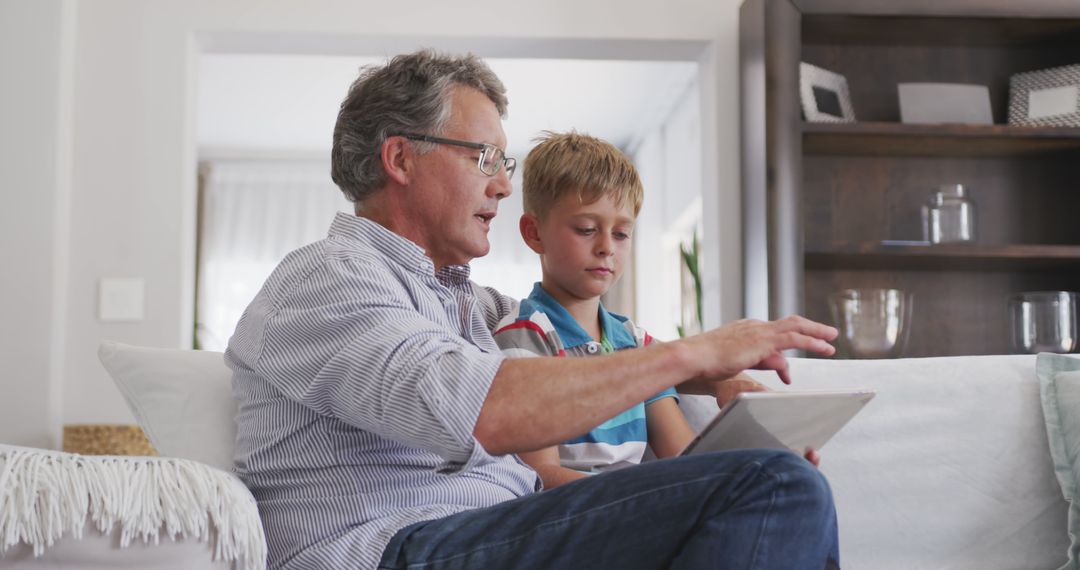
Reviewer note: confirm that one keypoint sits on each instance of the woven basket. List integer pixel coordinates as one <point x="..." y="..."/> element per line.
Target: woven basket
<point x="106" y="439"/>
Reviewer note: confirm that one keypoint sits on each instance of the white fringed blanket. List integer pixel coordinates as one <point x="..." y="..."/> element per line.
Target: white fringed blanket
<point x="47" y="494"/>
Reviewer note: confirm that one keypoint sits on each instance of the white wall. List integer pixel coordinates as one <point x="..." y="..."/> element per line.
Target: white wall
<point x="132" y="177"/>
<point x="35" y="57"/>
<point x="670" y="163"/>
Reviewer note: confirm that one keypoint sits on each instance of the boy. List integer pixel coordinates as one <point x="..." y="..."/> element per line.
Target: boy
<point x="581" y="198"/>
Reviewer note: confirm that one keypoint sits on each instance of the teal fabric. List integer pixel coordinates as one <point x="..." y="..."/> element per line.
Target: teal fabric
<point x="1059" y="386"/>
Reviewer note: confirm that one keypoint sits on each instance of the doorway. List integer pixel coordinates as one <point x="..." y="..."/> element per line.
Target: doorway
<point x="264" y="124"/>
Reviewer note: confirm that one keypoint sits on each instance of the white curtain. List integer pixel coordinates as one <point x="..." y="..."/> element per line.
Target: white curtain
<point x="252" y="213"/>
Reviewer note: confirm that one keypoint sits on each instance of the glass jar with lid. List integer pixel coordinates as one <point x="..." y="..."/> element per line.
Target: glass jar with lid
<point x="949" y="215"/>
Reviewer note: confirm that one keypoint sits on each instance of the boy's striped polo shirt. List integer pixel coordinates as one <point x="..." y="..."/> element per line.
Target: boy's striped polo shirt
<point x="543" y="327"/>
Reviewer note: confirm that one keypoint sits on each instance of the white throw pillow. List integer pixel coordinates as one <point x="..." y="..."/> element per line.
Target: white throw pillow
<point x="182" y="399"/>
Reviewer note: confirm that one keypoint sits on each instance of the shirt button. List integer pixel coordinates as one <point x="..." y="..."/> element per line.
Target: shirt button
<point x="592" y="347"/>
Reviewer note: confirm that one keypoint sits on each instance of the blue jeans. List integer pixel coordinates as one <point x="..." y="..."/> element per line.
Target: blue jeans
<point x="737" y="509"/>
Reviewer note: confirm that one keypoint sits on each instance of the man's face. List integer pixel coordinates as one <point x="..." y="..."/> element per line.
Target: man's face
<point x="454" y="202"/>
<point x="584" y="247"/>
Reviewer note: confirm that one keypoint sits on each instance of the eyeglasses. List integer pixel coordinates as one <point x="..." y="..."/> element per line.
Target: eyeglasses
<point x="491" y="156"/>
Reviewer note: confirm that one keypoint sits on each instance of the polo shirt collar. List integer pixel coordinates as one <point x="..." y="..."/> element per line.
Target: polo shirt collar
<point x="571" y="332"/>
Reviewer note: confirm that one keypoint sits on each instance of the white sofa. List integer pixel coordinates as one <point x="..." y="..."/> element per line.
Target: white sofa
<point x="949" y="467"/>
<point x="183" y="511"/>
<point x="63" y="510"/>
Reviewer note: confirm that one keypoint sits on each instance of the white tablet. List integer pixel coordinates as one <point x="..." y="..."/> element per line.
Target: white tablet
<point x="779" y="420"/>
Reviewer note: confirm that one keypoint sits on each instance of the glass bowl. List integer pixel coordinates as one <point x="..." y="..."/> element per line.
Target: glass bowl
<point x="873" y="323"/>
<point x="1043" y="321"/>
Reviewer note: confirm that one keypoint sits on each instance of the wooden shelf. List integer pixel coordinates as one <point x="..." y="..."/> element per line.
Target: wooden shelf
<point x="898" y="139"/>
<point x="821" y="197"/>
<point x="944" y="257"/>
<point x="868" y="30"/>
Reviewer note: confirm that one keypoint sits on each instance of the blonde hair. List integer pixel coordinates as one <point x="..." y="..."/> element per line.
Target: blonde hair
<point x="575" y="163"/>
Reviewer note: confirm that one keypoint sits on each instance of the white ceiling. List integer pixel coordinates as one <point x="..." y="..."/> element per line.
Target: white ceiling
<point x="288" y="103"/>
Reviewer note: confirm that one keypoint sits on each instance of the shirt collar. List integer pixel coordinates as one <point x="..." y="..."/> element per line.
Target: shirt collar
<point x="395" y="247"/>
<point x="454" y="275"/>
<point x="571" y="332"/>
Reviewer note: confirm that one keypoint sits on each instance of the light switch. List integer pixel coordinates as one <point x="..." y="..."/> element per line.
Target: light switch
<point x="120" y="299"/>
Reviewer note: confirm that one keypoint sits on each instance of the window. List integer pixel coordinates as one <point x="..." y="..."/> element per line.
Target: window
<point x="251" y="214"/>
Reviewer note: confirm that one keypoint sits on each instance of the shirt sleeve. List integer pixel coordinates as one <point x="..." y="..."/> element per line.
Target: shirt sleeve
<point x="495" y="306"/>
<point x="528" y="336"/>
<point x="666" y="393"/>
<point x="645" y="339"/>
<point x="351" y="343"/>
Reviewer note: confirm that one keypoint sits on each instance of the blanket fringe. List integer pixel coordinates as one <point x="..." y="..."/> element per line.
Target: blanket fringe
<point x="45" y="494"/>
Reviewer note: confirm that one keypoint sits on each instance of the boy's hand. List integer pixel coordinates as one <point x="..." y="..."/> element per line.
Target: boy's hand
<point x="726" y="390"/>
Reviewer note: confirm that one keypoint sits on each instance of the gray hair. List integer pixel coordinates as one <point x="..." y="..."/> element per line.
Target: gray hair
<point x="410" y="94"/>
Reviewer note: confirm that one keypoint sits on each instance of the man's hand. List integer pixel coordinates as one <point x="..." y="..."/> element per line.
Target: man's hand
<point x="721" y="353"/>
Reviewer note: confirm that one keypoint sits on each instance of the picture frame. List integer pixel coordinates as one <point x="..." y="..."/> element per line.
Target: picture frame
<point x="824" y="95"/>
<point x="1046" y="97"/>
<point x="944" y="103"/>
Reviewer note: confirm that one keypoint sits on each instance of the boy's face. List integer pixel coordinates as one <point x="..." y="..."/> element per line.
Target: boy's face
<point x="582" y="247"/>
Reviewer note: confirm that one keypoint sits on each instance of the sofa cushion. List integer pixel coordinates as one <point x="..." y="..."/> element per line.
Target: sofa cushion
<point x="948" y="467"/>
<point x="1059" y="382"/>
<point x="182" y="399"/>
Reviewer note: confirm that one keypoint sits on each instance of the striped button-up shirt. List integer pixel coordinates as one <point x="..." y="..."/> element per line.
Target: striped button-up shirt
<point x="360" y="373"/>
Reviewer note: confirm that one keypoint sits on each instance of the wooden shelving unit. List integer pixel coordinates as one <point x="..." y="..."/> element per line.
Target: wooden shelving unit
<point x="836" y="206"/>
<point x="897" y="139"/>
<point x="943" y="257"/>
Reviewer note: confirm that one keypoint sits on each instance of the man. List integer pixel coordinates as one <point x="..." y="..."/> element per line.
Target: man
<point x="379" y="423"/>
